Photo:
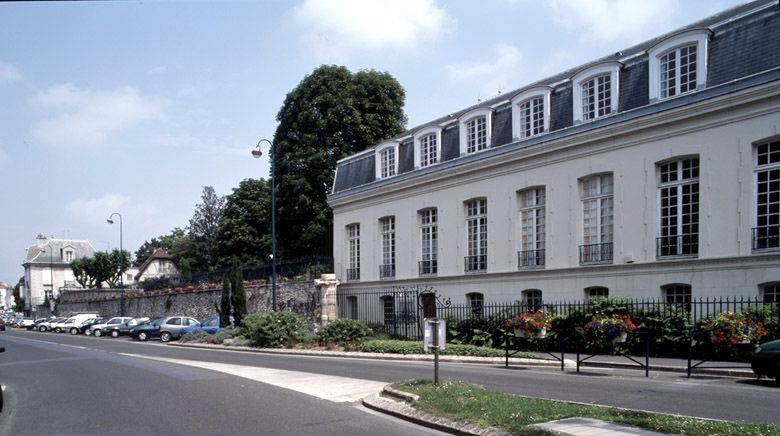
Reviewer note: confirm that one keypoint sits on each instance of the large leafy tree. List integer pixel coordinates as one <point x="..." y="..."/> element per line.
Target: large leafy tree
<point x="172" y="243"/>
<point x="244" y="235"/>
<point x="92" y="272"/>
<point x="332" y="113"/>
<point x="203" y="231"/>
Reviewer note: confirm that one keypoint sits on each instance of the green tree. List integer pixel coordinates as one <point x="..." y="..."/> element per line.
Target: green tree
<point x="224" y="302"/>
<point x="92" y="272"/>
<point x="203" y="230"/>
<point x="244" y="234"/>
<point x="238" y="296"/>
<point x="332" y="113"/>
<point x="83" y="272"/>
<point x="172" y="243"/>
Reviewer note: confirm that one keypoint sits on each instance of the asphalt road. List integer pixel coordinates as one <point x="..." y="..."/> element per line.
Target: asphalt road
<point x="39" y="363"/>
<point x="65" y="385"/>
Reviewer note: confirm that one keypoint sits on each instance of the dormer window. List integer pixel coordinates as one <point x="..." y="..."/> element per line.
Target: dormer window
<point x="596" y="91"/>
<point x="387" y="160"/>
<point x="427" y="147"/>
<point x="475" y="128"/>
<point x="678" y="64"/>
<point x="531" y="113"/>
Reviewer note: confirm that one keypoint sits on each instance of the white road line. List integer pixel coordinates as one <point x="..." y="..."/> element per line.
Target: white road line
<point x="327" y="387"/>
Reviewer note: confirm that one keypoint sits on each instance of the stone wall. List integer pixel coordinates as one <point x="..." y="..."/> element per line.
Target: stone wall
<point x="301" y="297"/>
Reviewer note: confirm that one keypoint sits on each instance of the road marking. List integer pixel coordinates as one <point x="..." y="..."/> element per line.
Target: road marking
<point x="328" y="387"/>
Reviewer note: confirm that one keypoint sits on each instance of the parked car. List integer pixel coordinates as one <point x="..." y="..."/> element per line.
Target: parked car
<point x="168" y="328"/>
<point x="56" y="326"/>
<point x="73" y="323"/>
<point x="97" y="329"/>
<point x="89" y="323"/>
<point x="37" y="323"/>
<point x="766" y="360"/>
<point x="47" y="325"/>
<point x="116" y="330"/>
<point x="2" y="324"/>
<point x="26" y="322"/>
<point x="209" y="325"/>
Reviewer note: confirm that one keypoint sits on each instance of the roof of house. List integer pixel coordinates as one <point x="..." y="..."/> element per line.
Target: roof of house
<point x="50" y="251"/>
<point x="158" y="253"/>
<point x="735" y="59"/>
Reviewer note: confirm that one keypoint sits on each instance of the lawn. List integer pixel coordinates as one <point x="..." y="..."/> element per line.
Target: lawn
<point x="465" y="402"/>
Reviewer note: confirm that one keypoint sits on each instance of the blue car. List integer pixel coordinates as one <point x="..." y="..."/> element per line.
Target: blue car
<point x="209" y="325"/>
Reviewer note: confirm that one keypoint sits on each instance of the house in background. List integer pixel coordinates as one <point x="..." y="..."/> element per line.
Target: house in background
<point x="47" y="268"/>
<point x="6" y="296"/>
<point x="157" y="265"/>
<point x="653" y="172"/>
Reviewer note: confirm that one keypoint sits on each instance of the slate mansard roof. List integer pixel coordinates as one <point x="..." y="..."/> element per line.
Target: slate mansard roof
<point x="50" y="251"/>
<point x="743" y="51"/>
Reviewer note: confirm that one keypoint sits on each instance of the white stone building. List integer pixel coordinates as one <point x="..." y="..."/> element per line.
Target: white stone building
<point x="652" y="173"/>
<point x="47" y="268"/>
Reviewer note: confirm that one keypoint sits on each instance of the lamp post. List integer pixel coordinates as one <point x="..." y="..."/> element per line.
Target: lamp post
<point x="257" y="152"/>
<point x="110" y="220"/>
<point x="48" y="295"/>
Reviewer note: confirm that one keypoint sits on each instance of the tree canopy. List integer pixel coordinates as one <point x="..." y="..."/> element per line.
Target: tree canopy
<point x="92" y="272"/>
<point x="244" y="232"/>
<point x="171" y="243"/>
<point x="332" y="113"/>
<point x="203" y="230"/>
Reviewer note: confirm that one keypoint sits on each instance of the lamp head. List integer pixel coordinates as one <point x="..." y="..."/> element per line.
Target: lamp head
<point x="256" y="153"/>
<point x="110" y="221"/>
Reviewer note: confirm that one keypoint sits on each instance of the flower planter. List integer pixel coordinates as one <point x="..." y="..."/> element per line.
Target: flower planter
<point x="521" y="333"/>
<point x="620" y="338"/>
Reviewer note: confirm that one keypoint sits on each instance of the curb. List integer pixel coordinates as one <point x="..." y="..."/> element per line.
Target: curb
<point x="395" y="403"/>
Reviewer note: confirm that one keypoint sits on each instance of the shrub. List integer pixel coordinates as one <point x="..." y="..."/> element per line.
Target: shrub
<point x="194" y="336"/>
<point x="240" y="341"/>
<point x="415" y="347"/>
<point x="344" y="330"/>
<point x="222" y="334"/>
<point x="274" y="329"/>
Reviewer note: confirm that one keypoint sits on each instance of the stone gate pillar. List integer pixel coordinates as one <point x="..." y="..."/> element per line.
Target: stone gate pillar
<point x="327" y="284"/>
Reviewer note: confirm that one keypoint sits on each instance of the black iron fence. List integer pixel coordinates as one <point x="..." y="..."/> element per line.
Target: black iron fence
<point x="400" y="311"/>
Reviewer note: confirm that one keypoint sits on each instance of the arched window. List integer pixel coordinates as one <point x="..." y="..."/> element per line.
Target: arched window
<point x="476" y="301"/>
<point x="533" y="299"/>
<point x="678" y="293"/>
<point x="596" y="292"/>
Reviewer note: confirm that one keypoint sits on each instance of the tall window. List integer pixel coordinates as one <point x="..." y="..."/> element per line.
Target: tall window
<point x="388" y="310"/>
<point x="679" y="193"/>
<point x="352" y="307"/>
<point x="596" y="292"/>
<point x="596" y="97"/>
<point x="353" y="238"/>
<point x="387" y="269"/>
<point x="476" y="134"/>
<point x="678" y="71"/>
<point x="387" y="162"/>
<point x="533" y="299"/>
<point x="532" y="117"/>
<point x="678" y="294"/>
<point x="532" y="228"/>
<point x="429" y="241"/>
<point x="476" y="224"/>
<point x="68" y="256"/>
<point x="766" y="234"/>
<point x="770" y="293"/>
<point x="597" y="219"/>
<point x="477" y="303"/>
<point x="429" y="150"/>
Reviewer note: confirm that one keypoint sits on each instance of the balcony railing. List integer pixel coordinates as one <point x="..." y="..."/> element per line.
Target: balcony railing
<point x="677" y="245"/>
<point x="596" y="253"/>
<point x="428" y="267"/>
<point x="530" y="258"/>
<point x="353" y="274"/>
<point x="476" y="263"/>
<point x="766" y="237"/>
<point x="387" y="271"/>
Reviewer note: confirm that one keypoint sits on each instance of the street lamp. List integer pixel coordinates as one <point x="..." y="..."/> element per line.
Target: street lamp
<point x="257" y="152"/>
<point x="119" y="265"/>
<point x="50" y="293"/>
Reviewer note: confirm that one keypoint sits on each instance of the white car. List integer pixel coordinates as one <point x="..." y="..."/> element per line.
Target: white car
<point x="96" y="329"/>
<point x="74" y="323"/>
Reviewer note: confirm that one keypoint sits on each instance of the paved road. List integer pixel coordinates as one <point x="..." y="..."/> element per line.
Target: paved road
<point x="705" y="396"/>
<point x="63" y="385"/>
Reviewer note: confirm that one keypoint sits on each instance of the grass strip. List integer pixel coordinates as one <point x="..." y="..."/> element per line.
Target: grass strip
<point x="466" y="402"/>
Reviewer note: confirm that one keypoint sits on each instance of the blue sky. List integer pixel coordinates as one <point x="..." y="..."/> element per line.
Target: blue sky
<point x="133" y="106"/>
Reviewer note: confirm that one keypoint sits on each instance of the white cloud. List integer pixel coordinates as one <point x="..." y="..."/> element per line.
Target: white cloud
<point x="90" y="117"/>
<point x="497" y="74"/>
<point x="337" y="27"/>
<point x="95" y="211"/>
<point x="610" y="20"/>
<point x="8" y="73"/>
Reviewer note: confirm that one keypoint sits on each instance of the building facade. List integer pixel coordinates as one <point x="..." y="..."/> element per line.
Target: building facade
<point x="650" y="173"/>
<point x="157" y="265"/>
<point x="47" y="268"/>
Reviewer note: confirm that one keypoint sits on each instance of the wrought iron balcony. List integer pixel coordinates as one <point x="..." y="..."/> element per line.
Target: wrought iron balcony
<point x="596" y="253"/>
<point x="530" y="258"/>
<point x="677" y="245"/>
<point x="428" y="267"/>
<point x="387" y="271"/>
<point x="476" y="263"/>
<point x="353" y="274"/>
<point x="766" y="237"/>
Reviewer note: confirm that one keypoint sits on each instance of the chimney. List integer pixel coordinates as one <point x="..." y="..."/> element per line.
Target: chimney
<point x="40" y="240"/>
